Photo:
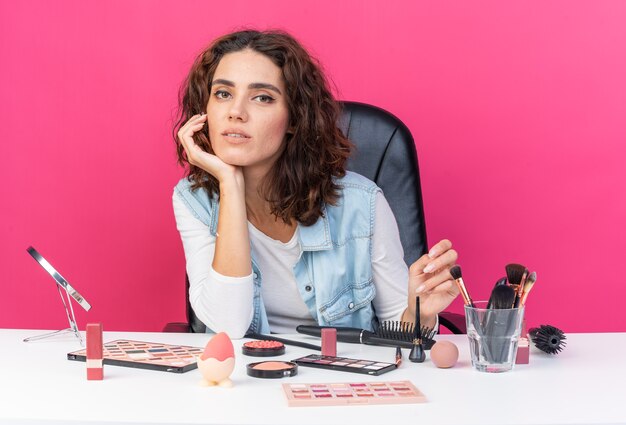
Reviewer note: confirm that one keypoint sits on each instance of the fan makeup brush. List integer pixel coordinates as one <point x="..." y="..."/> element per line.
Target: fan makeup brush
<point x="455" y="271"/>
<point x="516" y="274"/>
<point x="417" y="354"/>
<point x="528" y="285"/>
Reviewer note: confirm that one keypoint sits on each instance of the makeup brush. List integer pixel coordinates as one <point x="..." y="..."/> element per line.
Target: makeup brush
<point x="500" y="282"/>
<point x="528" y="285"/>
<point x="516" y="274"/>
<point x="398" y="356"/>
<point x="417" y="354"/>
<point x="548" y="339"/>
<point x="455" y="271"/>
<point x="502" y="297"/>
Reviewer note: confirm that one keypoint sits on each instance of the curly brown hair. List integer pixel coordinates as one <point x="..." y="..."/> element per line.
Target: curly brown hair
<point x="316" y="151"/>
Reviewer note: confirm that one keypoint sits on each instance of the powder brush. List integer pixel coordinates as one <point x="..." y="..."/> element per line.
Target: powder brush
<point x="502" y="297"/>
<point x="455" y="271"/>
<point x="500" y="282"/>
<point x="528" y="285"/>
<point x="516" y="274"/>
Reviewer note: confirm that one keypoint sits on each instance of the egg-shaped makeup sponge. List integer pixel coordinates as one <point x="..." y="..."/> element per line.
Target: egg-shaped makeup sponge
<point x="220" y="347"/>
<point x="444" y="354"/>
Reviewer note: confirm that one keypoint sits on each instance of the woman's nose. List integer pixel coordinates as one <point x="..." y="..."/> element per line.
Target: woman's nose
<point x="237" y="111"/>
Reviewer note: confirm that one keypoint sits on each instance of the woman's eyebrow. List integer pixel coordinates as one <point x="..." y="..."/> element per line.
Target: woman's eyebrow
<point x="221" y="81"/>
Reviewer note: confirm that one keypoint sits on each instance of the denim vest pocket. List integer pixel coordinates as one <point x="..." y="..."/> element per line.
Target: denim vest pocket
<point x="352" y="299"/>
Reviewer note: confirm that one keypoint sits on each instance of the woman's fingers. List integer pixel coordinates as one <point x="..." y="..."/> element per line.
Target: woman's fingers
<point x="439" y="256"/>
<point x="446" y="259"/>
<point x="439" y="248"/>
<point x="185" y="137"/>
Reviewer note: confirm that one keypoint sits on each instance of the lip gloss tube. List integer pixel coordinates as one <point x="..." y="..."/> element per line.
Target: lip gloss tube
<point x="95" y="371"/>
<point x="329" y="342"/>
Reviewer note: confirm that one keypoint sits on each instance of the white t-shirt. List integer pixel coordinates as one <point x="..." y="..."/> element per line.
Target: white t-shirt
<point x="224" y="303"/>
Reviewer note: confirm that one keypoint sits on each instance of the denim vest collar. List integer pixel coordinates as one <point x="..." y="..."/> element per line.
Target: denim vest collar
<point x="336" y="286"/>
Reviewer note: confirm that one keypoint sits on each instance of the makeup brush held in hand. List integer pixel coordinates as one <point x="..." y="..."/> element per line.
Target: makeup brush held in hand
<point x="548" y="339"/>
<point x="455" y="271"/>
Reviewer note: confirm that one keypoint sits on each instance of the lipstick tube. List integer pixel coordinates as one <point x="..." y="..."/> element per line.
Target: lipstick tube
<point x="329" y="342"/>
<point x="95" y="371"/>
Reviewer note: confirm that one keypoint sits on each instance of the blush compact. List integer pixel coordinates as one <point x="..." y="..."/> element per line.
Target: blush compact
<point x="272" y="369"/>
<point x="263" y="348"/>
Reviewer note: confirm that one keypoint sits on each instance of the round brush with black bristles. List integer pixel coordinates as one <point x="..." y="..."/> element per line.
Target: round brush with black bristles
<point x="548" y="339"/>
<point x="516" y="274"/>
<point x="417" y="354"/>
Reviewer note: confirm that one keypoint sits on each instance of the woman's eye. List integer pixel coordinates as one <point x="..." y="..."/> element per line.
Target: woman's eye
<point x="221" y="94"/>
<point x="263" y="98"/>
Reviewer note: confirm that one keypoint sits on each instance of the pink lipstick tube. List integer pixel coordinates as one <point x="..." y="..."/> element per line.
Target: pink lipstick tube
<point x="94" y="352"/>
<point x="329" y="342"/>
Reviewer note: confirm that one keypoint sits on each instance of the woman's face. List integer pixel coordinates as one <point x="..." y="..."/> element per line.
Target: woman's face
<point x="247" y="111"/>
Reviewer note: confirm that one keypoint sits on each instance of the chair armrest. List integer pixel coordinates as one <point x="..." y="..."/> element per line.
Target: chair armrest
<point x="179" y="327"/>
<point x="454" y="322"/>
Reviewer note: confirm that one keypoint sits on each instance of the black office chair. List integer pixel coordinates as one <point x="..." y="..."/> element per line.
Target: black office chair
<point x="385" y="153"/>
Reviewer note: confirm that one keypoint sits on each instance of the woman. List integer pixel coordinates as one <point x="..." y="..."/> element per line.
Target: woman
<point x="276" y="233"/>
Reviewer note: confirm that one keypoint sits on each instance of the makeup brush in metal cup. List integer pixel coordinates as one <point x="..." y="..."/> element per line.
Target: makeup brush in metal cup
<point x="548" y="339"/>
<point x="516" y="274"/>
<point x="528" y="285"/>
<point x="417" y="354"/>
<point x="496" y="328"/>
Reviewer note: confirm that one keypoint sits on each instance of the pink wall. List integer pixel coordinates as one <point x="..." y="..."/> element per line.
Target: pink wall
<point x="517" y="109"/>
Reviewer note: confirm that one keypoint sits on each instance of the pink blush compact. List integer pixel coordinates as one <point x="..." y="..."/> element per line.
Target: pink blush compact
<point x="263" y="348"/>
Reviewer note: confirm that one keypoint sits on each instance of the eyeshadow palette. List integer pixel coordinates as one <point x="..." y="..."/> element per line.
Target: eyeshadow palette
<point x="146" y="355"/>
<point x="398" y="392"/>
<point x="368" y="367"/>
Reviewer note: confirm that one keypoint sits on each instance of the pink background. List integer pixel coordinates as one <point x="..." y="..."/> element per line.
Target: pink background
<point x="518" y="110"/>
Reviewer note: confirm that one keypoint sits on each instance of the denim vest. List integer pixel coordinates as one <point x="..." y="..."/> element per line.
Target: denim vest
<point x="334" y="272"/>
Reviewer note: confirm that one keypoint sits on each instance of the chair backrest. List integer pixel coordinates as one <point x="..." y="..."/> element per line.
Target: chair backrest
<point x="385" y="153"/>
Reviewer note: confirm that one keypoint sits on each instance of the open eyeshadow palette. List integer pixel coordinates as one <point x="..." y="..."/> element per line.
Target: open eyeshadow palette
<point x="368" y="367"/>
<point x="146" y="355"/>
<point x="397" y="392"/>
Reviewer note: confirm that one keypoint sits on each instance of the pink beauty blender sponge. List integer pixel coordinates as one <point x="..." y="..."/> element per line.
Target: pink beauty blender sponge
<point x="217" y="361"/>
<point x="444" y="354"/>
